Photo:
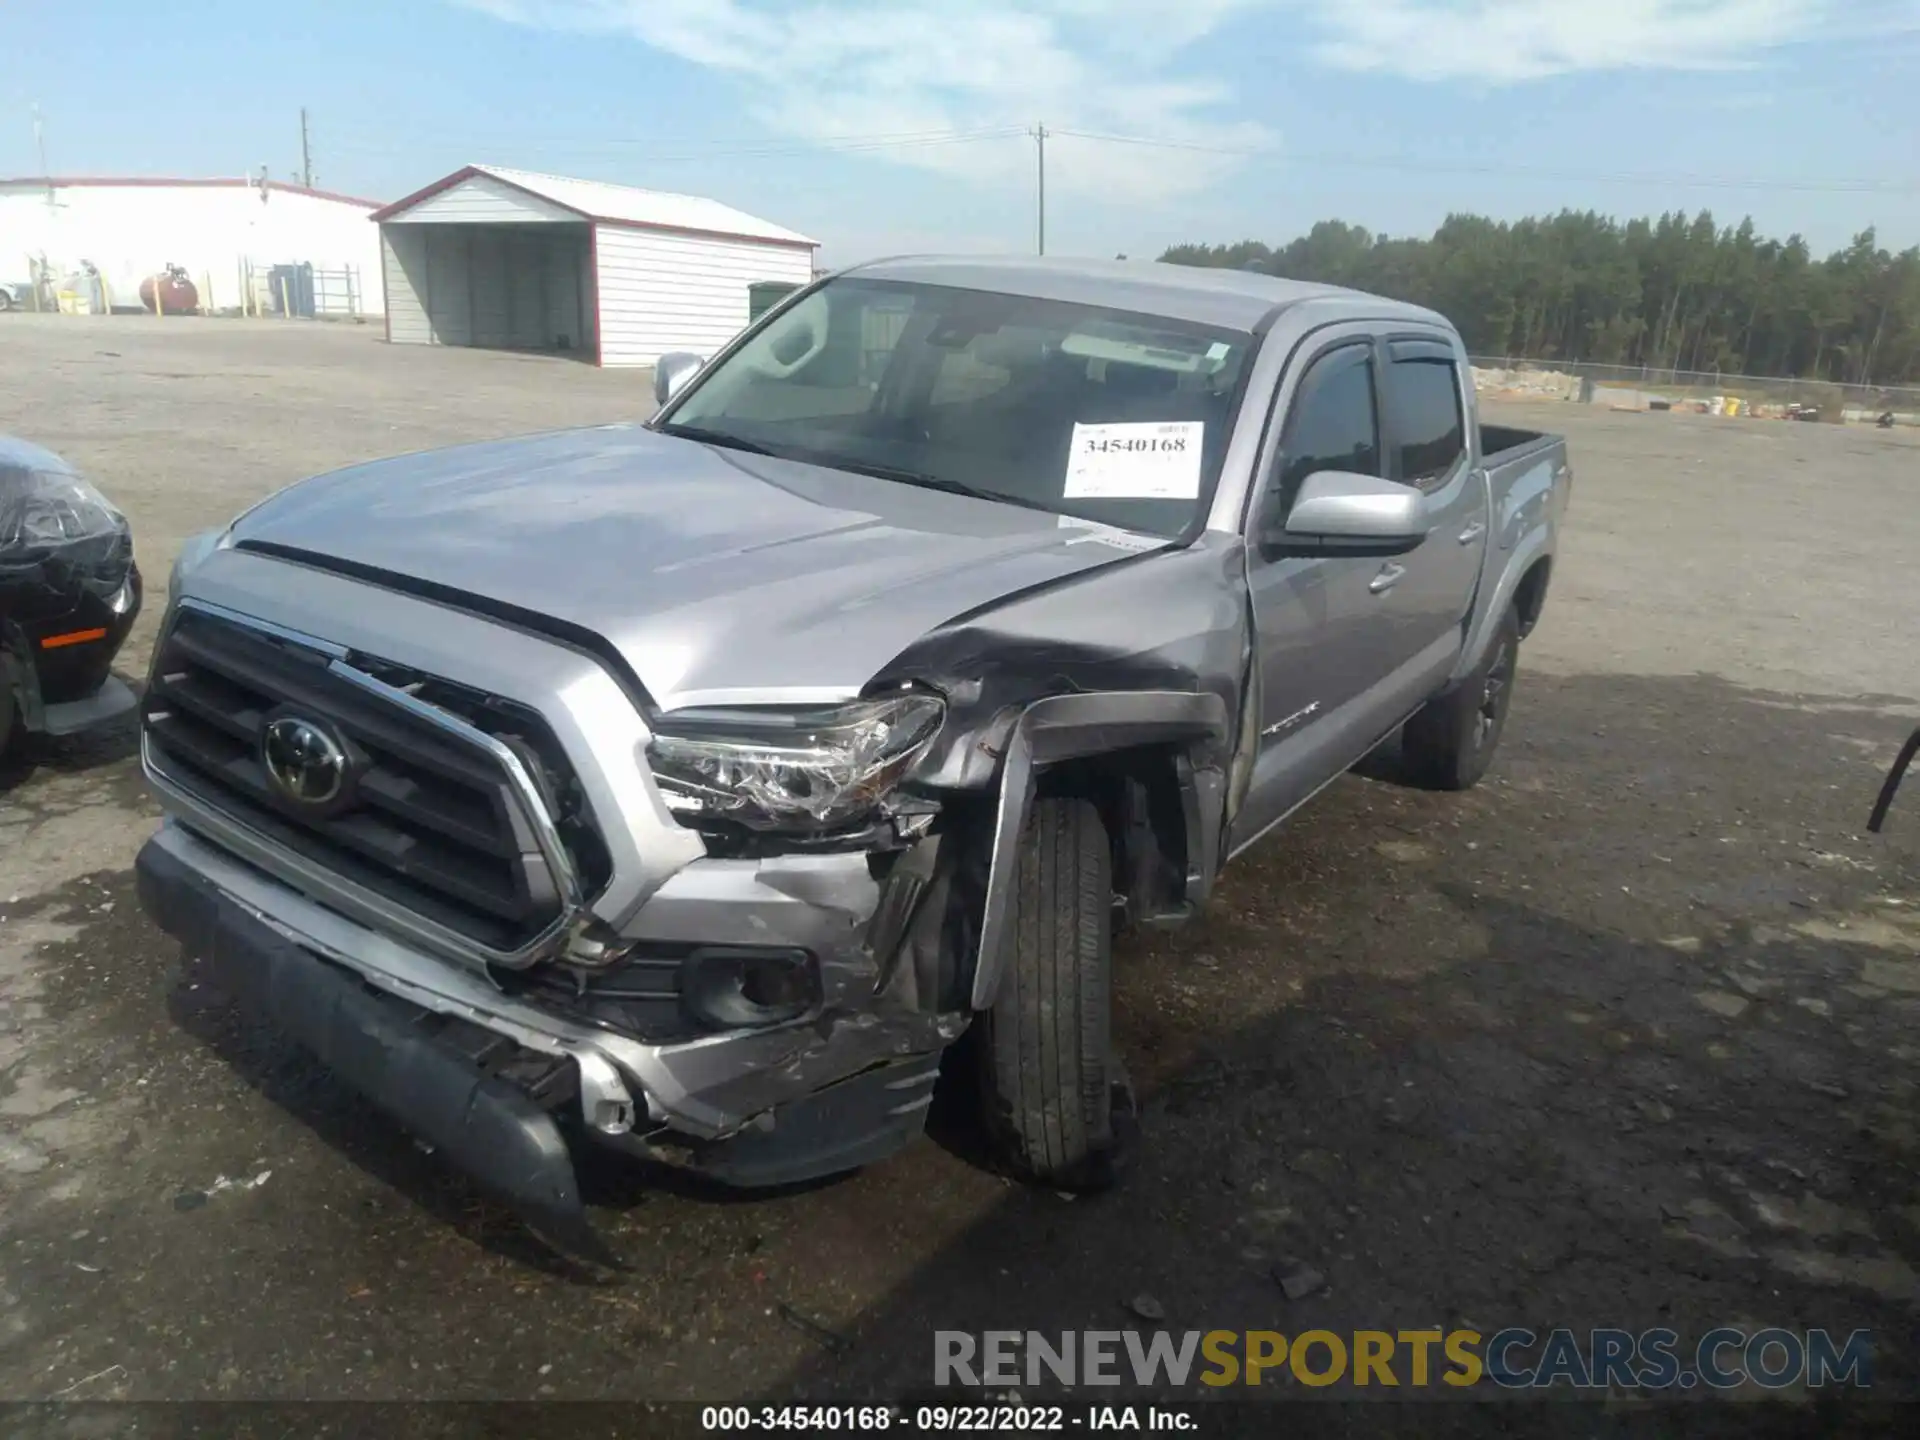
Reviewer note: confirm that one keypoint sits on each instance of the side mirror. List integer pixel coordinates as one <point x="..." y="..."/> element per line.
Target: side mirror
<point x="671" y="373"/>
<point x="1337" y="513"/>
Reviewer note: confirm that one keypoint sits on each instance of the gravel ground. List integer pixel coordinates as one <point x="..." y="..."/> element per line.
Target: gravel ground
<point x="1625" y="1037"/>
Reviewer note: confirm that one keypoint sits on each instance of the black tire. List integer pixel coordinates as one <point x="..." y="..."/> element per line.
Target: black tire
<point x="9" y="711"/>
<point x="1450" y="743"/>
<point x="1049" y="1081"/>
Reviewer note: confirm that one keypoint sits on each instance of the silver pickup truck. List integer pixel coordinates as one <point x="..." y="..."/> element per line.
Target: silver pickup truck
<point x="693" y="785"/>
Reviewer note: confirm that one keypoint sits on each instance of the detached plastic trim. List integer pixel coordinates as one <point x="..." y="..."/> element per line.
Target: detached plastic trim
<point x="484" y="1125"/>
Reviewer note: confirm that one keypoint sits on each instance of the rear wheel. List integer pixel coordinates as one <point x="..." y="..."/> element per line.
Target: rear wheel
<point x="1050" y="1085"/>
<point x="1450" y="743"/>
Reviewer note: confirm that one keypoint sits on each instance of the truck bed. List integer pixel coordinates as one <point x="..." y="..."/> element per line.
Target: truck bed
<point x="1502" y="443"/>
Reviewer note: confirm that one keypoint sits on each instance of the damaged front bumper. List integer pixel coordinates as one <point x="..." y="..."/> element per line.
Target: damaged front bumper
<point x="57" y="647"/>
<point x="493" y="1078"/>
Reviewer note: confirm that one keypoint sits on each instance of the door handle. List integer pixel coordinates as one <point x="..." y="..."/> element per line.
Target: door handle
<point x="1389" y="576"/>
<point x="1473" y="532"/>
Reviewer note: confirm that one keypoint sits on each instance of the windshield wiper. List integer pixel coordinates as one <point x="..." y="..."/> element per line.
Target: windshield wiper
<point x="937" y="482"/>
<point x="859" y="467"/>
<point x="715" y="437"/>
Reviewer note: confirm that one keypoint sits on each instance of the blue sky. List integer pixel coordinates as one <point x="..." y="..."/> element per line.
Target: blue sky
<point x="1388" y="113"/>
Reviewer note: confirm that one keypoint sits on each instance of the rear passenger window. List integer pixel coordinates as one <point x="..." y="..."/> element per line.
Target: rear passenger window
<point x="1334" y="424"/>
<point x="1429" y="433"/>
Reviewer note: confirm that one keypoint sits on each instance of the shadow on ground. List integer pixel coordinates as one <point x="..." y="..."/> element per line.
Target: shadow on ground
<point x="29" y="754"/>
<point x="1622" y="1038"/>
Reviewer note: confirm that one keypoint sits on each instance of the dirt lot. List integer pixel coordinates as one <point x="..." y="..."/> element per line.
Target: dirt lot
<point x="1624" y="1038"/>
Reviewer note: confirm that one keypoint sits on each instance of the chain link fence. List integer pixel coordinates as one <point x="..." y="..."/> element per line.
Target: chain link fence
<point x="1643" y="387"/>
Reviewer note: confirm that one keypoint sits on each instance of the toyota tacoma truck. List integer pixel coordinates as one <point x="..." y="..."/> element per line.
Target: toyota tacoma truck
<point x="691" y="786"/>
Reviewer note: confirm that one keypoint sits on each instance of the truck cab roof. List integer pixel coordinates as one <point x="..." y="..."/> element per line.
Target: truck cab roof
<point x="1239" y="299"/>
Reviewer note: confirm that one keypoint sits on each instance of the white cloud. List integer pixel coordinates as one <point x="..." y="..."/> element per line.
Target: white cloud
<point x="1508" y="41"/>
<point x="837" y="70"/>
<point x="834" y="71"/>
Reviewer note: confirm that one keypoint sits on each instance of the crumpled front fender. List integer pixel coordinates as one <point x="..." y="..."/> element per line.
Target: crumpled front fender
<point x="1070" y="727"/>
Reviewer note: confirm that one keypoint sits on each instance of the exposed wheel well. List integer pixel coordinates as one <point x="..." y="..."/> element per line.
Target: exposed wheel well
<point x="1531" y="593"/>
<point x="1138" y="794"/>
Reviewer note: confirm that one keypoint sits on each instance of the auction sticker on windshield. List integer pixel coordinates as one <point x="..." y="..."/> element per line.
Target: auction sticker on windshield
<point x="1154" y="460"/>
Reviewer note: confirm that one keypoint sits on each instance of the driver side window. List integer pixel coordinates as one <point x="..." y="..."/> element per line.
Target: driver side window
<point x="1334" y="425"/>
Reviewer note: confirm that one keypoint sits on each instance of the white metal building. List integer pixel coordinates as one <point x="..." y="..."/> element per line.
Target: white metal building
<point x="217" y="230"/>
<point x="516" y="260"/>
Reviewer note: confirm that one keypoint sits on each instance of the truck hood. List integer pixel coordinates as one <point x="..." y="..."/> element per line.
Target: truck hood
<point x="722" y="577"/>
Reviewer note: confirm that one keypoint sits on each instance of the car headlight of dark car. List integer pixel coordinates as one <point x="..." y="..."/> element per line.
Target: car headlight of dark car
<point x="59" y="536"/>
<point x="51" y="509"/>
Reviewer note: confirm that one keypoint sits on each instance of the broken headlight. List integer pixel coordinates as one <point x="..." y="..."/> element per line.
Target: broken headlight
<point x="44" y="505"/>
<point x="791" y="769"/>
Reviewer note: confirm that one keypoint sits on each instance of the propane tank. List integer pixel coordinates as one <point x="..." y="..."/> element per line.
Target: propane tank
<point x="176" y="294"/>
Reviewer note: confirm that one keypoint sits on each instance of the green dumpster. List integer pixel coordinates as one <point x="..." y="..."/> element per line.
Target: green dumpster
<point x="763" y="296"/>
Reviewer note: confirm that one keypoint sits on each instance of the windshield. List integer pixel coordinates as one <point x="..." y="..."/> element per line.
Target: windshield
<point x="1103" y="414"/>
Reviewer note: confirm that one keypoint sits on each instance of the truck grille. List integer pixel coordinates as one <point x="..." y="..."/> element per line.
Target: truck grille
<point x="431" y="820"/>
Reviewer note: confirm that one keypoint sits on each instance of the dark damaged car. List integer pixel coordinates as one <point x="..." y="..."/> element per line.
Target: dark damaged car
<point x="692" y="786"/>
<point x="69" y="593"/>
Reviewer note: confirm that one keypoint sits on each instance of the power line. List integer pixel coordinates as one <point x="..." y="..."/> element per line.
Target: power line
<point x="850" y="144"/>
<point x="1166" y="144"/>
<point x="465" y="135"/>
<point x="1442" y="167"/>
<point x="908" y="140"/>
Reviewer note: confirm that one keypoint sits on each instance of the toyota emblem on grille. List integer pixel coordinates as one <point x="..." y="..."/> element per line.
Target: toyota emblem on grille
<point x="305" y="763"/>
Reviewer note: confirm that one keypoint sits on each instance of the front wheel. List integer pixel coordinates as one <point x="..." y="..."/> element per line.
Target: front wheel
<point x="9" y="712"/>
<point x="1449" y="744"/>
<point x="1050" y="1086"/>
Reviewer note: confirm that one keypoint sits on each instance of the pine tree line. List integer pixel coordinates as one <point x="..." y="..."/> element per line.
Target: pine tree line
<point x="1673" y="293"/>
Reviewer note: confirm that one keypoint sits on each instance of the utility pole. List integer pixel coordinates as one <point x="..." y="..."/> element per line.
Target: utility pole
<point x="1039" y="133"/>
<point x="40" y="140"/>
<point x="306" y="152"/>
